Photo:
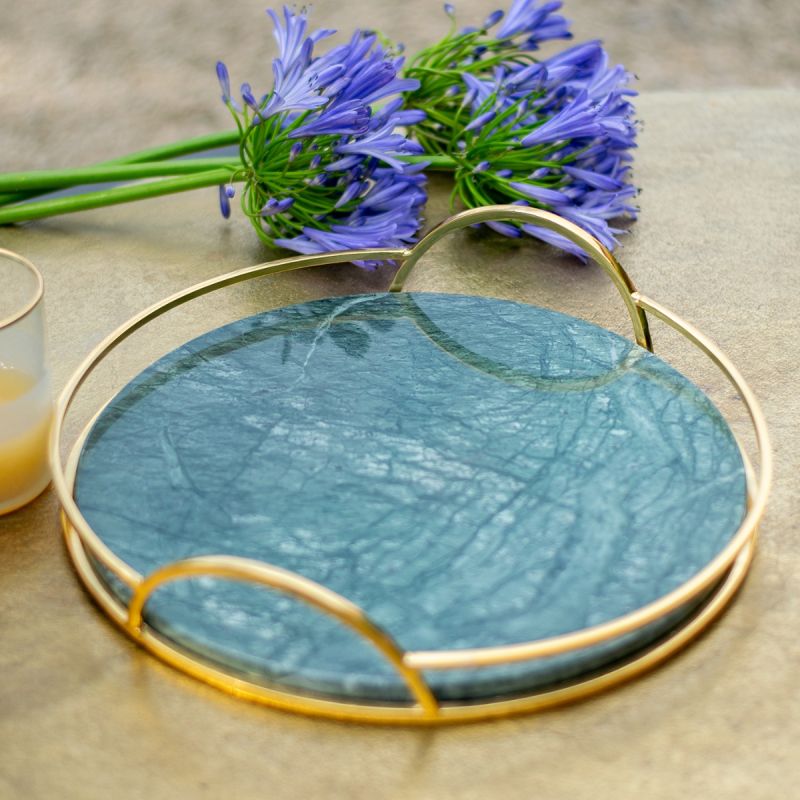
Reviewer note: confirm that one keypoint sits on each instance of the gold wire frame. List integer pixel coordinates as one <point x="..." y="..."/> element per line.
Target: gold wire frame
<point x="720" y="578"/>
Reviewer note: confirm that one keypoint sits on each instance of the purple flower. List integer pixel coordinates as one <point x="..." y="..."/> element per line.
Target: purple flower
<point x="538" y="23"/>
<point x="224" y="202"/>
<point x="572" y="113"/>
<point x="329" y="175"/>
<point x="360" y="47"/>
<point x="224" y="81"/>
<point x="555" y="239"/>
<point x="590" y="222"/>
<point x="481" y="120"/>
<point x="349" y="118"/>
<point x="273" y="206"/>
<point x="295" y="89"/>
<point x="493" y="19"/>
<point x="387" y="216"/>
<point x="504" y="228"/>
<point x="594" y="179"/>
<point x="555" y="133"/>
<point x="577" y="119"/>
<point x="540" y="193"/>
<point x="373" y="79"/>
<point x="248" y="96"/>
<point x="478" y="91"/>
<point x="381" y="143"/>
<point x="407" y="117"/>
<point x="581" y="61"/>
<point x="526" y="79"/>
<point x="291" y="37"/>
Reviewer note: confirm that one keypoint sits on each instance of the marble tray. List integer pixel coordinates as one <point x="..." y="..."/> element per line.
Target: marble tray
<point x="470" y="471"/>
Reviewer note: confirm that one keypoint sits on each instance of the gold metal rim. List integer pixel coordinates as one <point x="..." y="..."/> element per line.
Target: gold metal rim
<point x="733" y="560"/>
<point x="597" y="251"/>
<point x="38" y="292"/>
<point x="416" y="715"/>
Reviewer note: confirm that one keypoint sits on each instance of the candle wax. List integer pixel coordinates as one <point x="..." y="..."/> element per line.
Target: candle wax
<point x="25" y="416"/>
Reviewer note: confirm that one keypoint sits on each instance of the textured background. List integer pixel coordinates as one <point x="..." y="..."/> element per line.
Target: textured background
<point x="84" y="714"/>
<point x="92" y="79"/>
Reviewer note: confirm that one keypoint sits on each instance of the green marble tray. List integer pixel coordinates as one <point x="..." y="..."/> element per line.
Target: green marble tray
<point x="412" y="507"/>
<point x="467" y="470"/>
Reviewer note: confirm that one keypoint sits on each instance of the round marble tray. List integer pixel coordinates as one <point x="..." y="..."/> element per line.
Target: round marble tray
<point x="471" y="472"/>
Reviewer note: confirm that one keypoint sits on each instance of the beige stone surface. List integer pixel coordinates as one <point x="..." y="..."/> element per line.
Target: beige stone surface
<point x="85" y="714"/>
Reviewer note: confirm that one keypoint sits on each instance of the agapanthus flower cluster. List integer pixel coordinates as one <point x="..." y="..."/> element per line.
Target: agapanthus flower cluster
<point x="321" y="152"/>
<point x="332" y="156"/>
<point x="554" y="134"/>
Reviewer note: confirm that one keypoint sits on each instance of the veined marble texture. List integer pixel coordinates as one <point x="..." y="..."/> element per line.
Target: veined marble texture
<point x="470" y="471"/>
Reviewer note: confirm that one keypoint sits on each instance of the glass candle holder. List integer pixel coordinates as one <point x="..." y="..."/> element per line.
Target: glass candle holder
<point x="25" y="405"/>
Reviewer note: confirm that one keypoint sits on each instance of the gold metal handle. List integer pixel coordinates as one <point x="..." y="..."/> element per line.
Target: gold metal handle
<point x="294" y="585"/>
<point x="591" y="246"/>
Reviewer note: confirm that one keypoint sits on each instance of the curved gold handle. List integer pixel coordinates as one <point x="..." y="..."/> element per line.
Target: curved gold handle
<point x="294" y="585"/>
<point x="545" y="219"/>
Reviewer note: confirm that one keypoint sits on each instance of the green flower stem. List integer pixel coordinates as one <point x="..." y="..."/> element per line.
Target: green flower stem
<point x="6" y="198"/>
<point x="437" y="163"/>
<point x="108" y="197"/>
<point x="59" y="179"/>
<point x="154" y="162"/>
<point x="185" y="147"/>
<point x="26" y="184"/>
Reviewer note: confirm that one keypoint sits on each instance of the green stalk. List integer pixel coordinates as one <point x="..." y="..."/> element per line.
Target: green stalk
<point x="17" y="197"/>
<point x="50" y="180"/>
<point x="109" y="197"/>
<point x="59" y="179"/>
<point x="185" y="147"/>
<point x="154" y="162"/>
<point x="437" y="163"/>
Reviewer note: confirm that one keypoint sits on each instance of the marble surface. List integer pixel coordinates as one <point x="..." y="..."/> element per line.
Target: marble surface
<point x="470" y="471"/>
<point x="85" y="714"/>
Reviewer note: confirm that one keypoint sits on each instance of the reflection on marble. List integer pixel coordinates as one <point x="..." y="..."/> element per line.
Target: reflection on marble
<point x="470" y="471"/>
